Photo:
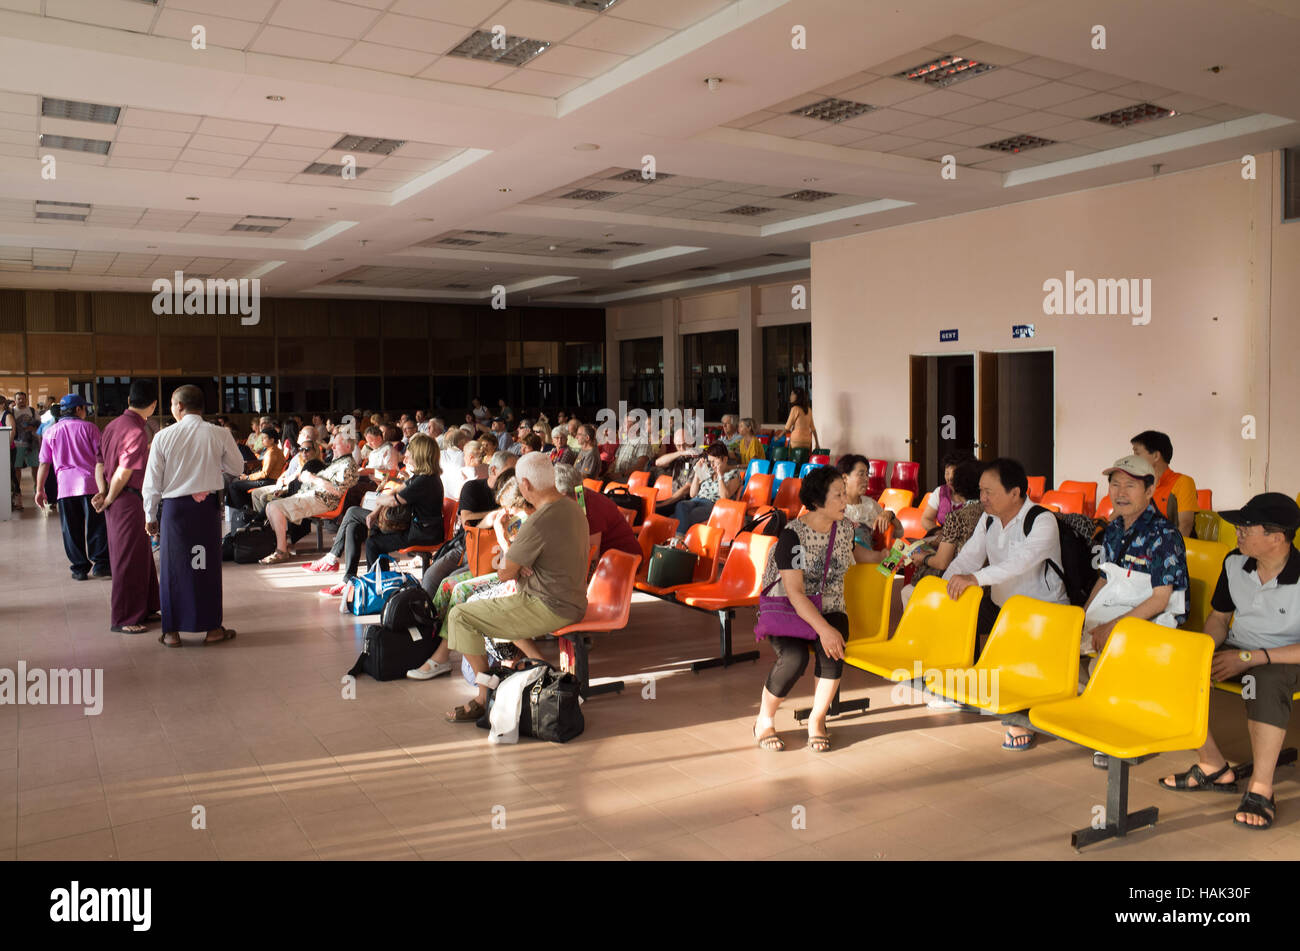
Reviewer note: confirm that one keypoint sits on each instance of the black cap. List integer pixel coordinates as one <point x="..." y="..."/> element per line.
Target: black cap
<point x="1268" y="508"/>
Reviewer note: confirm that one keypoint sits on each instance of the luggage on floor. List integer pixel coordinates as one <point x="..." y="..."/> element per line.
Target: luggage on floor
<point x="247" y="545"/>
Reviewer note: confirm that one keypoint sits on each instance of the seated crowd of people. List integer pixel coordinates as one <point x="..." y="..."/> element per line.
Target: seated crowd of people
<point x="522" y="479"/>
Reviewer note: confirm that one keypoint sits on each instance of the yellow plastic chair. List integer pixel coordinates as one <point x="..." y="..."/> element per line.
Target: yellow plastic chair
<point x="1204" y="562"/>
<point x="1207" y="526"/>
<point x="1150" y="694"/>
<point x="934" y="632"/>
<point x="1032" y="657"/>
<point x="1227" y="531"/>
<point x="868" y="597"/>
<point x="895" y="499"/>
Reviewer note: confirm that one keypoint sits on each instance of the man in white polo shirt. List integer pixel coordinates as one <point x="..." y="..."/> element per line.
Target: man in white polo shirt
<point x="1259" y="593"/>
<point x="1008" y="556"/>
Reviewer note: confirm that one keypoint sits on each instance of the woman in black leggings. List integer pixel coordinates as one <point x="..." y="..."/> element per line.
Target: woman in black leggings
<point x="799" y="563"/>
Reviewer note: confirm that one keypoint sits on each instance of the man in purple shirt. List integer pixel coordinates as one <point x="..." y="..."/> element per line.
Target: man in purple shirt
<point x="71" y="446"/>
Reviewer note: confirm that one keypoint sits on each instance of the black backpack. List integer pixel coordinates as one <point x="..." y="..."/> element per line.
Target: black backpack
<point x="247" y="545"/>
<point x="1079" y="543"/>
<point x="771" y="522"/>
<point x="403" y="640"/>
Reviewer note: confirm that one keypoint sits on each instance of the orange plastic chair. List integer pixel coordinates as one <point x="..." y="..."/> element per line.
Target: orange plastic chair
<point x="739" y="586"/>
<point x="638" y="479"/>
<point x="758" y="491"/>
<point x="728" y="515"/>
<point x="449" y="509"/>
<point x="648" y="498"/>
<point x="1105" y="508"/>
<point x="911" y="519"/>
<point x="654" y="531"/>
<point x="705" y="541"/>
<point x="1205" y="499"/>
<point x="787" y="497"/>
<point x="1089" y="490"/>
<point x="321" y="519"/>
<point x="663" y="488"/>
<point x="896" y="499"/>
<point x="1037" y="486"/>
<point x="1063" y="501"/>
<point x="591" y="485"/>
<point x="609" y="602"/>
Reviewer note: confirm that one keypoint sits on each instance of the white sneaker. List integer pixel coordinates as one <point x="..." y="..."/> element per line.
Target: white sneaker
<point x="429" y="670"/>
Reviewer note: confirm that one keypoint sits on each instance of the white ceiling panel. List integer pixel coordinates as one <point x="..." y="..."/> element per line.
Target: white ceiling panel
<point x="297" y="44"/>
<point x="412" y="33"/>
<point x="323" y="16"/>
<point x="389" y="59"/>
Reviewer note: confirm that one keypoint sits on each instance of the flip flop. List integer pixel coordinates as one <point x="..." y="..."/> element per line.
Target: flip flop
<point x="162" y="639"/>
<point x="1018" y="744"/>
<point x="819" y="744"/>
<point x="226" y="635"/>
<point x="126" y="628"/>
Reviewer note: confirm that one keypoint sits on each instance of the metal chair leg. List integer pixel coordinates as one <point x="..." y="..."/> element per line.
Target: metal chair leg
<point x="574" y="660"/>
<point x="1118" y="820"/>
<point x="727" y="658"/>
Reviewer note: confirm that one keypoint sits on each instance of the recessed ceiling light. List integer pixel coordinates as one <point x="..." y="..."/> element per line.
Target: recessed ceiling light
<point x="276" y="98"/>
<point x="1132" y="115"/>
<point x="516" y="51"/>
<point x="833" y="110"/>
<point x="809" y="181"/>
<point x="1018" y="143"/>
<point x="79" y="111"/>
<point x="945" y="71"/>
<point x="504" y="188"/>
<point x="74" y="144"/>
<point x="586" y="147"/>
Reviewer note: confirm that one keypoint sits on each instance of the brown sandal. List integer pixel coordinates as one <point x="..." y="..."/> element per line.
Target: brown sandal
<point x="226" y="635"/>
<point x="277" y="557"/>
<point x="162" y="639"/>
<point x="467" y="713"/>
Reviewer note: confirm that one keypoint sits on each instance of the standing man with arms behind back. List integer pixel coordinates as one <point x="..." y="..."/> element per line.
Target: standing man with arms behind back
<point x="123" y="455"/>
<point x="186" y="467"/>
<point x="70" y="448"/>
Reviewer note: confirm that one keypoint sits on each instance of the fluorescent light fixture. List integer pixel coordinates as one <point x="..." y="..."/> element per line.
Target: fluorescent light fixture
<point x="587" y="194"/>
<point x="74" y="144"/>
<point x="1018" y="143"/>
<point x="487" y="234"/>
<point x="833" y="110"/>
<point x="458" y="242"/>
<point x="1132" y="115"/>
<point x="945" y="71"/>
<point x="61" y="210"/>
<point x="79" y="111"/>
<point x="374" y="146"/>
<point x="517" y="51"/>
<point x="321" y="168"/>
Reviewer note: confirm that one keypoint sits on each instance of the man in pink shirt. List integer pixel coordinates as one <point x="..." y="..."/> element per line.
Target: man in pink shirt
<point x="71" y="446"/>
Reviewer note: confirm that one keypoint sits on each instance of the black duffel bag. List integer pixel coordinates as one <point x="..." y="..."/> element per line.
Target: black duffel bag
<point x="626" y="499"/>
<point x="551" y="710"/>
<point x="247" y="545"/>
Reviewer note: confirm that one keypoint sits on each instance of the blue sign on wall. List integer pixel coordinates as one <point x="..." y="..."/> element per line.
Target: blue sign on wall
<point x="947" y="336"/>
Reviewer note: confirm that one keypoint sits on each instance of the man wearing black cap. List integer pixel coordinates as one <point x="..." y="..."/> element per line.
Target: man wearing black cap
<point x="1259" y="593"/>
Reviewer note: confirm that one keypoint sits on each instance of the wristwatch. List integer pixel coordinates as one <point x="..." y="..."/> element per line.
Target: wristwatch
<point x="1244" y="656"/>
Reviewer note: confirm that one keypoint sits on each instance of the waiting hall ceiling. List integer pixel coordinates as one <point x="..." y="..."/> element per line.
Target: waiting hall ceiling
<point x="573" y="151"/>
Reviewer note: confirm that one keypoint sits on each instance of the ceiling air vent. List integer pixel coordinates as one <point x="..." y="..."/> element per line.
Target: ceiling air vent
<point x="459" y="242"/>
<point x="261" y="224"/>
<point x="1018" y="143"/>
<point x="705" y="267"/>
<point x="634" y="175"/>
<point x="833" y="110"/>
<point x="361" y="143"/>
<point x="747" y="210"/>
<point x="51" y="267"/>
<point x="74" y="144"/>
<point x="488" y="234"/>
<point x="808" y="194"/>
<point x="592" y="251"/>
<point x="459" y="287"/>
<point x="587" y="194"/>
<point x="1132" y="115"/>
<point x="629" y="244"/>
<point x="80" y="111"/>
<point x="517" y="49"/>
<point x="945" y="71"/>
<point x="350" y="280"/>
<point x="321" y="168"/>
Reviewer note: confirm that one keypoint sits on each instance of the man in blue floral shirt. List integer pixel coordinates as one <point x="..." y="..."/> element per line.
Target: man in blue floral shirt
<point x="1140" y="541"/>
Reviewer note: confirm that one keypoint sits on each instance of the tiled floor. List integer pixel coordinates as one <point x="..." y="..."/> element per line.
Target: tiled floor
<point x="257" y="733"/>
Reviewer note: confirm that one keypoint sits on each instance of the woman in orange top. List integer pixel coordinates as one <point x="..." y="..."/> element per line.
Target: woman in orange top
<point x="800" y="427"/>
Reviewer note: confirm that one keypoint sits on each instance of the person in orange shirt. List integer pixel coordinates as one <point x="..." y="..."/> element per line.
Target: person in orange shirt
<point x="1156" y="449"/>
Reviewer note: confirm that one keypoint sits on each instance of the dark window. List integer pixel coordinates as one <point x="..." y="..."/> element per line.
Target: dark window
<point x="787" y="364"/>
<point x="247" y="394"/>
<point x="304" y="394"/>
<point x="405" y="394"/>
<point x="711" y="373"/>
<point x="641" y="369"/>
<point x="584" y="383"/>
<point x="170" y="384"/>
<point x="112" y="392"/>
<point x="1291" y="184"/>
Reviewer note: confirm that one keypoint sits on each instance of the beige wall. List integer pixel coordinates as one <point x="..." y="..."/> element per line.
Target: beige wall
<point x="1211" y="245"/>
